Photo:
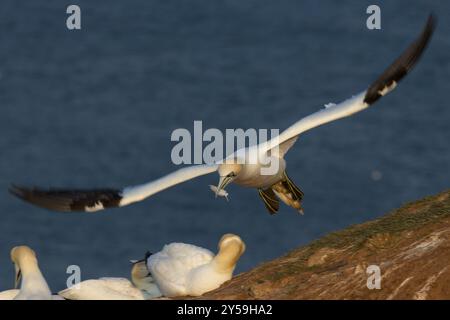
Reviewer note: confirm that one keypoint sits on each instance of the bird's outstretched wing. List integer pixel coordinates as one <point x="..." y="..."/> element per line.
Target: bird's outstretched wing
<point x="380" y="87"/>
<point x="94" y="200"/>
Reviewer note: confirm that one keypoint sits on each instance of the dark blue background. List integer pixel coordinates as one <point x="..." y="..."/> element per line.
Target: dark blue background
<point x="96" y="107"/>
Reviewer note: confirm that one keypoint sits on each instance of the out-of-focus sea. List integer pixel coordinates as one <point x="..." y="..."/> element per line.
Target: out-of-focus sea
<point x="96" y="108"/>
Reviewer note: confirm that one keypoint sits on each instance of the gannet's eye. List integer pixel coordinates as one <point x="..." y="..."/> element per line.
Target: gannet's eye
<point x="231" y="175"/>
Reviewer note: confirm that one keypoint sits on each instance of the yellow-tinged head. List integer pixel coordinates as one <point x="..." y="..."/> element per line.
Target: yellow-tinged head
<point x="22" y="257"/>
<point x="231" y="247"/>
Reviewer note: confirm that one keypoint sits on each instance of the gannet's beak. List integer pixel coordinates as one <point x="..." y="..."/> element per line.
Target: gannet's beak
<point x="223" y="182"/>
<point x="18" y="276"/>
<point x="147" y="255"/>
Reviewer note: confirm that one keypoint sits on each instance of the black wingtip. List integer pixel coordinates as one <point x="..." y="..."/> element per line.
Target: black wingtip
<point x="18" y="191"/>
<point x="68" y="200"/>
<point x="37" y="197"/>
<point x="430" y="26"/>
<point x="402" y="65"/>
<point x="14" y="190"/>
<point x="432" y="20"/>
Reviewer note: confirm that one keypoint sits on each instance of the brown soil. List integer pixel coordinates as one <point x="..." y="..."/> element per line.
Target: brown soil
<point x="411" y="245"/>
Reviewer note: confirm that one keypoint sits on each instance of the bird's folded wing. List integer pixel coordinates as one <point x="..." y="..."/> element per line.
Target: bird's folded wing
<point x="171" y="266"/>
<point x="103" y="289"/>
<point x="67" y="200"/>
<point x="382" y="86"/>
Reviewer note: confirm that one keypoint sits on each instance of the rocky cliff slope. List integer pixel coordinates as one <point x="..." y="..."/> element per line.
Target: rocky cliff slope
<point x="411" y="246"/>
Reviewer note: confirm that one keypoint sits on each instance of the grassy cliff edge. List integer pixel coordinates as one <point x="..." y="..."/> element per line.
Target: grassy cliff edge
<point x="411" y="246"/>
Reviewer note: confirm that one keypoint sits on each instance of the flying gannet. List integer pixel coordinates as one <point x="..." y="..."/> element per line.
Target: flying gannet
<point x="236" y="167"/>
<point x="181" y="269"/>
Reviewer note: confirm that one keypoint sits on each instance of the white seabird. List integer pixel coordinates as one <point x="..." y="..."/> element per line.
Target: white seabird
<point x="34" y="286"/>
<point x="181" y="269"/>
<point x="236" y="167"/>
<point x="141" y="287"/>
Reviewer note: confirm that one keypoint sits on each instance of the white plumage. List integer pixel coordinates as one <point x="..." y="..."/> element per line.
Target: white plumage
<point x="103" y="289"/>
<point x="247" y="166"/>
<point x="33" y="284"/>
<point x="181" y="269"/>
<point x="141" y="286"/>
<point x="171" y="266"/>
<point x="11" y="294"/>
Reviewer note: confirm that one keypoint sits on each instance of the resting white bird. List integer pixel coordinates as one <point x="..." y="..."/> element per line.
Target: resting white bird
<point x="9" y="294"/>
<point x="236" y="167"/>
<point x="141" y="287"/>
<point x="181" y="269"/>
<point x="34" y="286"/>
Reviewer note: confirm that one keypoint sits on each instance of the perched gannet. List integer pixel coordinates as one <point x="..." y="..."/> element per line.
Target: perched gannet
<point x="141" y="287"/>
<point x="142" y="278"/>
<point x="34" y="286"/>
<point x="181" y="269"/>
<point x="236" y="167"/>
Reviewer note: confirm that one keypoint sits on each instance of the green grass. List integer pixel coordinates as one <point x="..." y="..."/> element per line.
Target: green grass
<point x="407" y="218"/>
